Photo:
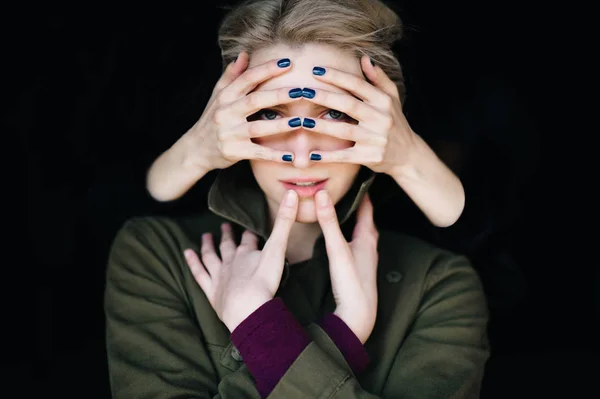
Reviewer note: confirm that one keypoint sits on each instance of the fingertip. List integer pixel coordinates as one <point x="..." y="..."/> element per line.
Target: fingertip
<point x="189" y="254"/>
<point x="291" y="197"/>
<point x="323" y="199"/>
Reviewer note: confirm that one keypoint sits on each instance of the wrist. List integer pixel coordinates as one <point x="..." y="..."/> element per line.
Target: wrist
<point x="361" y="329"/>
<point x="232" y="320"/>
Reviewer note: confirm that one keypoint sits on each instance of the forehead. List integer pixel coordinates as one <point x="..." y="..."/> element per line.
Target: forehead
<point x="304" y="58"/>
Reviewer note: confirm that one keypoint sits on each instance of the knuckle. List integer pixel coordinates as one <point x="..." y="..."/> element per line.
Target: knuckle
<point x="387" y="122"/>
<point x="254" y="129"/>
<point x="218" y="116"/>
<point x="380" y="141"/>
<point x="387" y="103"/>
<point x="251" y="100"/>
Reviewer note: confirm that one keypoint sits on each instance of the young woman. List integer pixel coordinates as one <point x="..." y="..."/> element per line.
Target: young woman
<point x="302" y="297"/>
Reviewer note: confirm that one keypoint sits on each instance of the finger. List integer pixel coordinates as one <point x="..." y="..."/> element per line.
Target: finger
<point x="262" y="128"/>
<point x="356" y="85"/>
<point x="200" y="274"/>
<point x="227" y="246"/>
<point x="209" y="255"/>
<point x="379" y="78"/>
<point x="360" y="154"/>
<point x="255" y="101"/>
<point x="232" y="71"/>
<point x="249" y="241"/>
<point x="346" y="103"/>
<point x="342" y="130"/>
<point x="335" y="242"/>
<point x="276" y="245"/>
<point x="254" y="76"/>
<point x="246" y="149"/>
<point x="365" y="226"/>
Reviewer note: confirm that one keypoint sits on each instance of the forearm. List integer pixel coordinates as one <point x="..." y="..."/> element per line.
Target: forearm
<point x="174" y="172"/>
<point x="434" y="188"/>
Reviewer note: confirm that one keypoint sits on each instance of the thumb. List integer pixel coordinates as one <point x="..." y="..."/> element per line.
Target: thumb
<point x="379" y="78"/>
<point x="335" y="242"/>
<point x="276" y="245"/>
<point x="233" y="71"/>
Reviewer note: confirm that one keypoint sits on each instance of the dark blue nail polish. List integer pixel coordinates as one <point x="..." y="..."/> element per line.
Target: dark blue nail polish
<point x="295" y="122"/>
<point x="308" y="93"/>
<point x="283" y="63"/>
<point x="309" y="123"/>
<point x="295" y="93"/>
<point x="315" y="157"/>
<point x="319" y="71"/>
<point x="372" y="62"/>
<point x="287" y="158"/>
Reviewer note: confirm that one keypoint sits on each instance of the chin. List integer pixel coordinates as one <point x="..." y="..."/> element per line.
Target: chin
<point x="306" y="211"/>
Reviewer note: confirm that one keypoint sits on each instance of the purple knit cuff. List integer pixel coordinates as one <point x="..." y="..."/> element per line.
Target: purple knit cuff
<point x="347" y="342"/>
<point x="269" y="341"/>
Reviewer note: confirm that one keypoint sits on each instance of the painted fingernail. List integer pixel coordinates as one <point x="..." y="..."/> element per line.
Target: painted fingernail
<point x="315" y="157"/>
<point x="295" y="122"/>
<point x="290" y="198"/>
<point x="319" y="71"/>
<point x="283" y="63"/>
<point x="295" y="93"/>
<point x="308" y="93"/>
<point x="287" y="158"/>
<point x="309" y="123"/>
<point x="372" y="62"/>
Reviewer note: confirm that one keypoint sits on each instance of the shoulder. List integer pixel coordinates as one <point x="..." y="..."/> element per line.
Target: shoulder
<point x="419" y="261"/>
<point x="162" y="237"/>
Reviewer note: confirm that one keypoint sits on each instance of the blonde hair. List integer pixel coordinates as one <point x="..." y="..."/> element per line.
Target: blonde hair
<point x="361" y="27"/>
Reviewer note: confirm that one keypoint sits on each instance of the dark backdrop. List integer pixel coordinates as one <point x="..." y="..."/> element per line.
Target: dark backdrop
<point x="102" y="92"/>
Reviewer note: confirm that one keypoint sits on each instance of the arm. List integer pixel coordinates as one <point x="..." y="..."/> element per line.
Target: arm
<point x="176" y="170"/>
<point x="433" y="187"/>
<point x="443" y="356"/>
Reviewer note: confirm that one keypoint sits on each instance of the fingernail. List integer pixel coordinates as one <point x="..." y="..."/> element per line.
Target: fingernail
<point x="308" y="93"/>
<point x="295" y="93"/>
<point x="372" y="62"/>
<point x="290" y="198"/>
<point x="187" y="253"/>
<point x="295" y="122"/>
<point x="287" y="158"/>
<point x="319" y="71"/>
<point x="315" y="157"/>
<point x="309" y="123"/>
<point x="283" y="63"/>
<point x="323" y="198"/>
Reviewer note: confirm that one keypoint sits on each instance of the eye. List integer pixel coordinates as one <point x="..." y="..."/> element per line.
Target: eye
<point x="335" y="114"/>
<point x="267" y="113"/>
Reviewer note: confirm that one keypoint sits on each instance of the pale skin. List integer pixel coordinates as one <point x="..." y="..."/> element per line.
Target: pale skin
<point x="246" y="278"/>
<point x="226" y="137"/>
<point x="384" y="140"/>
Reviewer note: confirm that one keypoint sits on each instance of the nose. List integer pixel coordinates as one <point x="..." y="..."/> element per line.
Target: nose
<point x="301" y="143"/>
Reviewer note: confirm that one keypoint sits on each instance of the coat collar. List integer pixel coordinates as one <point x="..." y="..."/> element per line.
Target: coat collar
<point x="236" y="196"/>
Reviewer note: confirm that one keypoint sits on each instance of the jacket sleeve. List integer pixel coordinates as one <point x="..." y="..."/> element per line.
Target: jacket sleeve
<point x="154" y="348"/>
<point x="442" y="357"/>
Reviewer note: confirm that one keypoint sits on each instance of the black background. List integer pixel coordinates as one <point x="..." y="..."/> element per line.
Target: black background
<point x="100" y="93"/>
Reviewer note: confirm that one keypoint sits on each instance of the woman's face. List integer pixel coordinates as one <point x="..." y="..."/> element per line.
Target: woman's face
<point x="273" y="177"/>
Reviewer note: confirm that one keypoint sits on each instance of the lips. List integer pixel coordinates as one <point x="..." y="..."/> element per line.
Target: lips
<point x="305" y="187"/>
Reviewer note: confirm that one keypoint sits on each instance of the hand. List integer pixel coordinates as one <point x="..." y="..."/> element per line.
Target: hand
<point x="245" y="278"/>
<point x="383" y="136"/>
<point x="222" y="135"/>
<point x="352" y="266"/>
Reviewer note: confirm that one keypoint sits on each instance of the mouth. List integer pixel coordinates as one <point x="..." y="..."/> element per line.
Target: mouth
<point x="305" y="187"/>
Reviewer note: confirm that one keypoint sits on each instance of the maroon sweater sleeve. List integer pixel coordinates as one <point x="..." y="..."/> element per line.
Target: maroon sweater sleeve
<point x="347" y="342"/>
<point x="269" y="340"/>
